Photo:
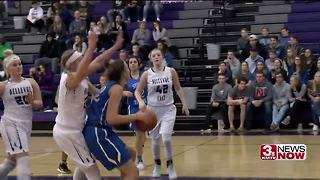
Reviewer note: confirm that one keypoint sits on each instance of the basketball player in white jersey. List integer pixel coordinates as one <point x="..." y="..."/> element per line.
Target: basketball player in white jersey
<point x="20" y="96"/>
<point x="73" y="91"/>
<point x="159" y="80"/>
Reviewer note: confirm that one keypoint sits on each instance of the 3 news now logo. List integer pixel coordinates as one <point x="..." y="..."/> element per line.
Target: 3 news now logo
<point x="283" y="152"/>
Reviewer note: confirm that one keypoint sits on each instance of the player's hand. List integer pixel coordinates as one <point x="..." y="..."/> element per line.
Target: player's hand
<point x="119" y="42"/>
<point x="92" y="39"/>
<point x="142" y="106"/>
<point x="127" y="93"/>
<point x="29" y="98"/>
<point x="185" y="110"/>
<point x="141" y="116"/>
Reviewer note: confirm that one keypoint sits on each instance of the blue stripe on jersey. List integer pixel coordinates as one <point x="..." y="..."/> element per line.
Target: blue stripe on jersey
<point x="96" y="110"/>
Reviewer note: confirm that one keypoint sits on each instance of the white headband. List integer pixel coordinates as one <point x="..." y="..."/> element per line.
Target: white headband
<point x="10" y="59"/>
<point x="73" y="58"/>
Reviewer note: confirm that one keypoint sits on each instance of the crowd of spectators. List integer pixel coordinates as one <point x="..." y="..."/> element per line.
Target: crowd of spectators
<point x="275" y="81"/>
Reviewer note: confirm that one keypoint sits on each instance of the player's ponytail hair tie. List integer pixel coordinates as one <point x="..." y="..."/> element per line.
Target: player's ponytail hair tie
<point x="73" y="58"/>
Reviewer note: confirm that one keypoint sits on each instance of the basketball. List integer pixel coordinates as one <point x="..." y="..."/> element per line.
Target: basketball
<point x="150" y="124"/>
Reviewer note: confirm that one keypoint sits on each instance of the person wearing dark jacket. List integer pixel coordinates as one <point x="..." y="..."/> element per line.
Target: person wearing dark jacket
<point x="50" y="52"/>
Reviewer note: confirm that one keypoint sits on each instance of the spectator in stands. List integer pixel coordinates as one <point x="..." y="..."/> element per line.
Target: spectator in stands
<point x="275" y="46"/>
<point x="123" y="55"/>
<point x="281" y="97"/>
<point x="119" y="25"/>
<point x="50" y="52"/>
<point x="104" y="38"/>
<point x="298" y="101"/>
<point x="265" y="38"/>
<point x="311" y="65"/>
<point x="278" y="68"/>
<point x="94" y="28"/>
<point x="289" y="58"/>
<point x="223" y="69"/>
<point x="135" y="6"/>
<point x="232" y="63"/>
<point x="33" y="74"/>
<point x="34" y="18"/>
<point x="293" y="44"/>
<point x="142" y="37"/>
<point x="54" y="9"/>
<point x="260" y="68"/>
<point x="260" y="97"/>
<point x="270" y="61"/>
<point x="159" y="33"/>
<point x="218" y="102"/>
<point x="59" y="29"/>
<point x="166" y="54"/>
<point x="3" y="46"/>
<point x="78" y="26"/>
<point x="284" y="37"/>
<point x="3" y="12"/>
<point x="314" y="94"/>
<point x="242" y="42"/>
<point x="254" y="44"/>
<point x="117" y="8"/>
<point x="299" y="67"/>
<point x="79" y="45"/>
<point x="243" y="73"/>
<point x="135" y="52"/>
<point x="252" y="59"/>
<point x="312" y="73"/>
<point x="66" y="13"/>
<point x="238" y="98"/>
<point x="45" y="79"/>
<point x="156" y="5"/>
<point x="85" y="9"/>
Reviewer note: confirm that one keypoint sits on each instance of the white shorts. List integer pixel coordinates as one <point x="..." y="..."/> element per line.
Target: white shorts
<point x="16" y="135"/>
<point x="74" y="145"/>
<point x="166" y="116"/>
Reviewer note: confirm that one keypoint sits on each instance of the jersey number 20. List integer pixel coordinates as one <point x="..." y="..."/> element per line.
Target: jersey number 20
<point x="21" y="100"/>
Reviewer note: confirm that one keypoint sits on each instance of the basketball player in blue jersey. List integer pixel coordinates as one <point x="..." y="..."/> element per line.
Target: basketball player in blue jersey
<point x="20" y="96"/>
<point x="133" y="106"/>
<point x="102" y="113"/>
<point x="73" y="93"/>
<point x="159" y="80"/>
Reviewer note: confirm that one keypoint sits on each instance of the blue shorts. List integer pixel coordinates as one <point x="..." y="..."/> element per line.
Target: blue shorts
<point x="133" y="110"/>
<point x="106" y="146"/>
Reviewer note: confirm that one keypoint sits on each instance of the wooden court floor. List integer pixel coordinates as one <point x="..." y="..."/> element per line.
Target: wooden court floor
<point x="202" y="156"/>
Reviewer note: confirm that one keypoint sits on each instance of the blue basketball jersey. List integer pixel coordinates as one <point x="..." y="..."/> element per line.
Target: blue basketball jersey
<point x="133" y="105"/>
<point x="97" y="107"/>
<point x="102" y="142"/>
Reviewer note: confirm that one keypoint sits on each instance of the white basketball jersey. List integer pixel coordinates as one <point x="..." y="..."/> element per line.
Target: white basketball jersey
<point x="160" y="87"/>
<point x="15" y="101"/>
<point x="71" y="104"/>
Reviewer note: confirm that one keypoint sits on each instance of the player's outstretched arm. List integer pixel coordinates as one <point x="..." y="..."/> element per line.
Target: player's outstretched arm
<point x="177" y="87"/>
<point x="82" y="71"/>
<point x="97" y="63"/>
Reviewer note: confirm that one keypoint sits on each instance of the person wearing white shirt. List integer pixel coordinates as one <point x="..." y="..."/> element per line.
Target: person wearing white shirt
<point x="34" y="18"/>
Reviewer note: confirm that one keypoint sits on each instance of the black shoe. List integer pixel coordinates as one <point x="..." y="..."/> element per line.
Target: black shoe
<point x="63" y="168"/>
